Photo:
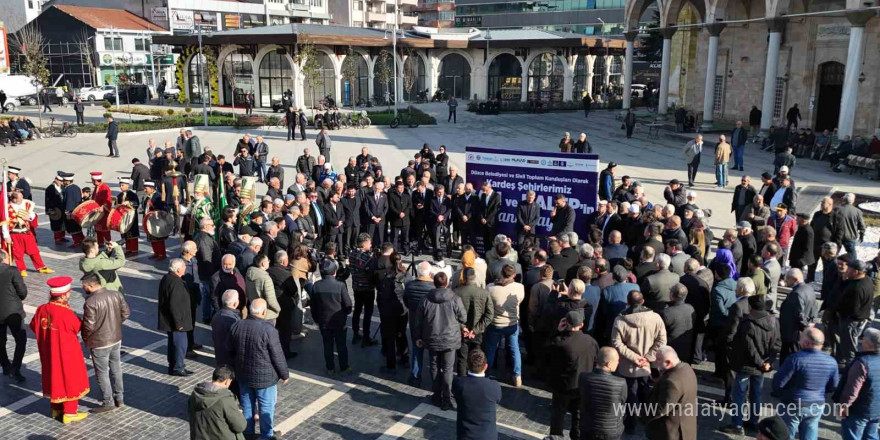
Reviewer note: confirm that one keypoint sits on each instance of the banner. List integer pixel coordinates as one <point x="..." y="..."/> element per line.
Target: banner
<point x="4" y="51"/>
<point x="512" y="173"/>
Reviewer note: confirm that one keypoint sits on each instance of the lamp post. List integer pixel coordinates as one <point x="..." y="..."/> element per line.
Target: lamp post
<point x="115" y="70"/>
<point x="202" y="60"/>
<point x="488" y="38"/>
<point x="394" y="56"/>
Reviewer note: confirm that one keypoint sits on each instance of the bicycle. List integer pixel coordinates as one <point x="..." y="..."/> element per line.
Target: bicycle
<point x="357" y="119"/>
<point x="405" y="117"/>
<point x="65" y="130"/>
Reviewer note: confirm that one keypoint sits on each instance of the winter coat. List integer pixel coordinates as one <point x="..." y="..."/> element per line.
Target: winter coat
<point x="756" y="342"/>
<point x="699" y="297"/>
<point x="104" y="311"/>
<point x="13" y="291"/>
<point x="438" y="320"/>
<point x="679" y="321"/>
<point x="797" y="312"/>
<point x="850" y="225"/>
<point x="568" y="355"/>
<point x="675" y="398"/>
<point x="656" y="289"/>
<point x="478" y="307"/>
<point x="265" y="288"/>
<point x="174" y="305"/>
<point x="330" y="303"/>
<point x="723" y="296"/>
<point x="601" y="392"/>
<point x="259" y="359"/>
<point x="214" y="414"/>
<point x="637" y="332"/>
<point x="221" y="324"/>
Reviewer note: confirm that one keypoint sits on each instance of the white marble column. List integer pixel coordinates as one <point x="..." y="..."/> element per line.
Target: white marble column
<point x="525" y="85"/>
<point x="776" y="26"/>
<point x="589" y="62"/>
<point x="606" y="74"/>
<point x="628" y="68"/>
<point x="711" y="69"/>
<point x="850" y="99"/>
<point x="568" y="87"/>
<point x="663" y="101"/>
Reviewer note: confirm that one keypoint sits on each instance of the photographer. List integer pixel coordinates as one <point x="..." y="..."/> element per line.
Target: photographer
<point x="331" y="252"/>
<point x="363" y="264"/>
<point x="104" y="264"/>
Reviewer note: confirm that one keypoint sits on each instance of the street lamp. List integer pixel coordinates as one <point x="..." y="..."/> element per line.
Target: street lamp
<point x="115" y="70"/>
<point x="394" y="48"/>
<point x="488" y="38"/>
<point x="202" y="60"/>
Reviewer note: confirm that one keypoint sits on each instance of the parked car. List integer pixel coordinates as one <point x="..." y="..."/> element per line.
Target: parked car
<point x="172" y="93"/>
<point x="638" y="90"/>
<point x="135" y="93"/>
<point x="93" y="94"/>
<point x="12" y="104"/>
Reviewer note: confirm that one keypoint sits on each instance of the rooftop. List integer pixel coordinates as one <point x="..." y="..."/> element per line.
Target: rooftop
<point x="103" y="18"/>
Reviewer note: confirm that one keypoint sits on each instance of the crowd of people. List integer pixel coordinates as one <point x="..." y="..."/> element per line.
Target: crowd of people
<point x="617" y="315"/>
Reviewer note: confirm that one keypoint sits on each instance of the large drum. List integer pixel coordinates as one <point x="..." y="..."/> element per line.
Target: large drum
<point x="120" y="218"/>
<point x="159" y="224"/>
<point x="88" y="214"/>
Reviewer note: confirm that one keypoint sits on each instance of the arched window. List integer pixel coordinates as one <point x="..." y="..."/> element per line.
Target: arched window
<point x="383" y="92"/>
<point x="413" y="64"/>
<point x="505" y="78"/>
<point x="599" y="74"/>
<point x="580" y="78"/>
<point x="324" y="84"/>
<point x="455" y="76"/>
<point x="195" y="79"/>
<point x="616" y="76"/>
<point x="546" y="75"/>
<point x="276" y="77"/>
<point x="359" y="87"/>
<point x="240" y="66"/>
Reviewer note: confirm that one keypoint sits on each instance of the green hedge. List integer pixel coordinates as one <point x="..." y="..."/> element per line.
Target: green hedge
<point x="564" y="106"/>
<point x="158" y="124"/>
<point x="383" y="117"/>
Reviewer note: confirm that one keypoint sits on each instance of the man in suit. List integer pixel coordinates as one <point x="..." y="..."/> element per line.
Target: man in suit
<point x="490" y="207"/>
<point x="334" y="222"/>
<point x="439" y="213"/>
<point x="743" y="196"/>
<point x="463" y="214"/>
<point x="399" y="212"/>
<point x="797" y="312"/>
<point x="738" y="140"/>
<point x="324" y="142"/>
<point x="261" y="153"/>
<point x="375" y="208"/>
<point x="527" y="215"/>
<point x="112" y="135"/>
<point x="421" y="201"/>
<point x="562" y="217"/>
<point x="672" y="404"/>
<point x="692" y="152"/>
<point x="477" y="397"/>
<point x="331" y="305"/>
<point x="351" y="207"/>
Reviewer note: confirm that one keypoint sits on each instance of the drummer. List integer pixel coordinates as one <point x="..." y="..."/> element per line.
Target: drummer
<point x="174" y="192"/>
<point x="55" y="208"/>
<point x="104" y="197"/>
<point x="72" y="198"/>
<point x="24" y="242"/>
<point x="154" y="203"/>
<point x="127" y="197"/>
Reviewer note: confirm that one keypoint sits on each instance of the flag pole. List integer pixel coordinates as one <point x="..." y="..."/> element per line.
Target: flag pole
<point x="5" y="214"/>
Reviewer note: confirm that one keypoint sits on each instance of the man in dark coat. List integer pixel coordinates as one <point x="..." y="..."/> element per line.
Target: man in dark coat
<point x="375" y="208"/>
<point x="796" y="313"/>
<point x="743" y="196"/>
<point x="54" y="205"/>
<point x="672" y="404"/>
<point x="562" y="217"/>
<point x="112" y="135"/>
<point x="570" y="354"/>
<point x="527" y="215"/>
<point x="221" y="324"/>
<point x="823" y="225"/>
<point x="801" y="253"/>
<point x="334" y="222"/>
<point x="699" y="297"/>
<point x="674" y="194"/>
<point x="439" y="214"/>
<point x="12" y="292"/>
<point x="400" y="212"/>
<point x="287" y="295"/>
<point x="464" y="205"/>
<point x="490" y="208"/>
<point x="602" y="393"/>
<point x="331" y="304"/>
<point x="351" y="208"/>
<point x="679" y="320"/>
<point x="175" y="316"/>
<point x="477" y="397"/>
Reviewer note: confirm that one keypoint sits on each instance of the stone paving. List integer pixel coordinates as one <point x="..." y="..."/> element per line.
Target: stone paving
<point x="366" y="404"/>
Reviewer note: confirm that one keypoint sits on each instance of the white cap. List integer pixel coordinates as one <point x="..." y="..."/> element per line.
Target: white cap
<point x="125" y="180"/>
<point x="14" y="170"/>
<point x="783" y="169"/>
<point x="149" y="184"/>
<point x="691" y="193"/>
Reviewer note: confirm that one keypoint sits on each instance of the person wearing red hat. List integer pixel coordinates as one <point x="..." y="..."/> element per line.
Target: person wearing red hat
<point x="154" y="202"/>
<point x="22" y="234"/>
<point x="104" y="197"/>
<point x="56" y="326"/>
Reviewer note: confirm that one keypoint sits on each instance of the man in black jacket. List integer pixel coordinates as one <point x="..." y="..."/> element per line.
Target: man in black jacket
<point x="331" y="305"/>
<point x="800" y="254"/>
<point x="438" y="325"/>
<point x="490" y="208"/>
<point x="439" y="214"/>
<point x="245" y="162"/>
<point x="334" y="222"/>
<point x="221" y="324"/>
<point x="602" y="393"/>
<point x="570" y="353"/>
<point x="400" y="211"/>
<point x="175" y="316"/>
<point x="112" y="135"/>
<point x="208" y="258"/>
<point x="561" y="218"/>
<point x="699" y="297"/>
<point x="674" y="194"/>
<point x="477" y="397"/>
<point x="375" y="208"/>
<point x="678" y="317"/>
<point x="413" y="295"/>
<point x="351" y="208"/>
<point x="441" y="165"/>
<point x="287" y="295"/>
<point x="853" y="309"/>
<point x="392" y="312"/>
<point x="259" y="365"/>
<point x="463" y="208"/>
<point x="527" y="215"/>
<point x="363" y="282"/>
<point x="12" y="292"/>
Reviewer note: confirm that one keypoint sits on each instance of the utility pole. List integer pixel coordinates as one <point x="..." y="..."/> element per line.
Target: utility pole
<point x="394" y="46"/>
<point x="115" y="70"/>
<point x="202" y="60"/>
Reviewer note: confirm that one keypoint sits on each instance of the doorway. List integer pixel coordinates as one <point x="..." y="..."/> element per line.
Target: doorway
<point x="830" y="92"/>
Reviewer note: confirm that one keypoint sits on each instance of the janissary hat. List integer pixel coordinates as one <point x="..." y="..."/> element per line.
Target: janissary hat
<point x="97" y="175"/>
<point x="59" y="286"/>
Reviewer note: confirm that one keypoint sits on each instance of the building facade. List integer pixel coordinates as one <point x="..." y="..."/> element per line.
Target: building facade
<point x="514" y="65"/>
<point x="16" y="13"/>
<point x="587" y="17"/>
<point x="378" y="14"/>
<point x="722" y="58"/>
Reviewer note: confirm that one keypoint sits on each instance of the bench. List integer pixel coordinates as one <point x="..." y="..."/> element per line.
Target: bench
<point x="860" y="164"/>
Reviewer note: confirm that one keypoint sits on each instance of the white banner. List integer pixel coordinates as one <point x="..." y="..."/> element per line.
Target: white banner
<point x="122" y="58"/>
<point x="182" y="20"/>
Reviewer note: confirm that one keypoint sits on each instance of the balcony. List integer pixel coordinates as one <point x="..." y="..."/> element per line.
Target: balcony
<point x="408" y="2"/>
<point x="407" y="19"/>
<point x="372" y="16"/>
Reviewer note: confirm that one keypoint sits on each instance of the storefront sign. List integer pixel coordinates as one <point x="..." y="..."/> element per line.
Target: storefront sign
<point x="207" y="20"/>
<point x="832" y="32"/>
<point x="123" y="58"/>
<point x="512" y="173"/>
<point x="469" y="21"/>
<point x="252" y="20"/>
<point x="231" y="21"/>
<point x="182" y="20"/>
<point x="159" y="15"/>
<point x="4" y="51"/>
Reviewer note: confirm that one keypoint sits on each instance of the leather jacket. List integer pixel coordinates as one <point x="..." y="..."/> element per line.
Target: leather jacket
<point x="104" y="312"/>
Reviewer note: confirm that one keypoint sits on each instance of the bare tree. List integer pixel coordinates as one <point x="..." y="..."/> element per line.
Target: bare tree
<point x="383" y="72"/>
<point x="85" y="49"/>
<point x="350" y="72"/>
<point x="307" y="58"/>
<point x="31" y="45"/>
<point x="410" y="69"/>
<point x="229" y="75"/>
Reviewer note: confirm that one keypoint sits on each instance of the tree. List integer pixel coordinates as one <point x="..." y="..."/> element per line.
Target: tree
<point x="306" y="58"/>
<point x="229" y="74"/>
<point x="410" y="69"/>
<point x="350" y="71"/>
<point x="85" y="50"/>
<point x="383" y="71"/>
<point x="31" y="45"/>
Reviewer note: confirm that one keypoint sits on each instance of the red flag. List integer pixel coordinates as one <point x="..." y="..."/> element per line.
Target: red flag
<point x="4" y="217"/>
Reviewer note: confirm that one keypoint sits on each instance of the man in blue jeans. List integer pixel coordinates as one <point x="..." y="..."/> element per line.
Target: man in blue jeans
<point x="754" y="349"/>
<point x="259" y="365"/>
<point x="801" y="383"/>
<point x="413" y="295"/>
<point x="506" y="296"/>
<point x="859" y="398"/>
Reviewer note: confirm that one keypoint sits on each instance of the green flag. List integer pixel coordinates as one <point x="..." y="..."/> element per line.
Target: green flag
<point x="219" y="207"/>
